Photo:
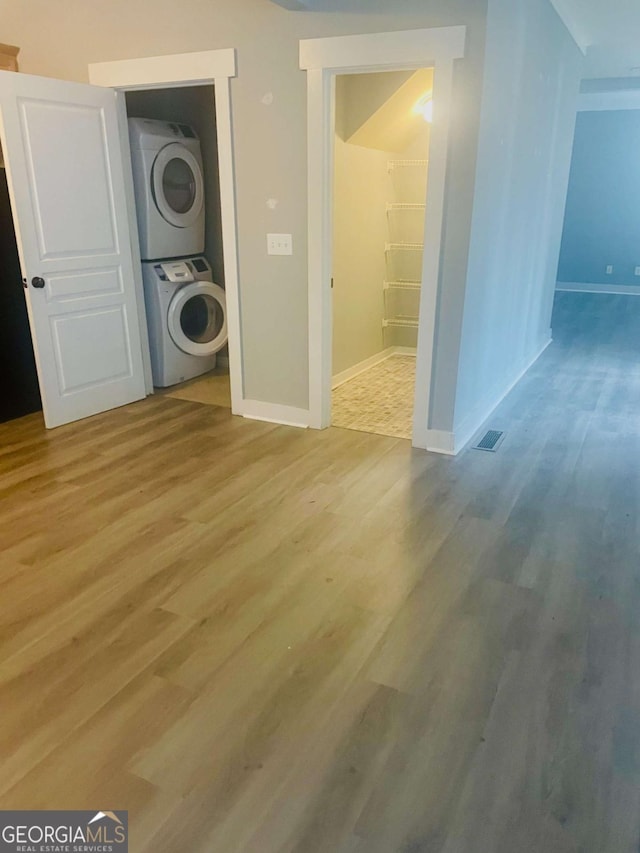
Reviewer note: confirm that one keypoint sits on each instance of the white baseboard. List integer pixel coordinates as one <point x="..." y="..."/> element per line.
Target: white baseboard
<point x="584" y="287"/>
<point x="440" y="441"/>
<point x="273" y="413"/>
<point x="473" y="422"/>
<point x="361" y="366"/>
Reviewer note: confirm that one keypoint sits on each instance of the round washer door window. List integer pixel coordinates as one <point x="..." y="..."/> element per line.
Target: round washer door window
<point x="197" y="318"/>
<point x="177" y="184"/>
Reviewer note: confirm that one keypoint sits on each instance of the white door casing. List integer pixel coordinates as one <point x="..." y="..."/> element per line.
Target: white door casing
<point x="323" y="59"/>
<point x="61" y="144"/>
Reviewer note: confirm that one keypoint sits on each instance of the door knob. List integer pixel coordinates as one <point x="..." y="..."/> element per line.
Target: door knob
<point x="37" y="281"/>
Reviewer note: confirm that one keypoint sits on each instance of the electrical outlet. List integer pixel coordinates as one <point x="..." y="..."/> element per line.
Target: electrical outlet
<point x="609" y="269"/>
<point x="279" y="244"/>
<point x="636" y="271"/>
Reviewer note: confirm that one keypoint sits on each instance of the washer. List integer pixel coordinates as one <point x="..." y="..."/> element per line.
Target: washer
<point x="186" y="316"/>
<point x="169" y="188"/>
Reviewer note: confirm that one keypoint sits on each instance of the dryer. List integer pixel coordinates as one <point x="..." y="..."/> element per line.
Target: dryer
<point x="169" y="188"/>
<point x="186" y="317"/>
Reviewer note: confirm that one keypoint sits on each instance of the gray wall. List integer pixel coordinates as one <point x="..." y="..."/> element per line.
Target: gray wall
<point x="270" y="140"/>
<point x="602" y="219"/>
<point x="531" y="84"/>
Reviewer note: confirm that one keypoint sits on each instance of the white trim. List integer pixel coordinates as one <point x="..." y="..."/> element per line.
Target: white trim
<point x="567" y="15"/>
<point x="584" y="287"/>
<point x="273" y="413"/>
<point x="351" y="372"/>
<point x="440" y="441"/>
<point x="211" y="67"/>
<point x="621" y="99"/>
<point x="405" y="48"/>
<point x="483" y="411"/>
<point x="324" y="59"/>
<point x="433" y="234"/>
<point x="226" y="175"/>
<point x="153" y="72"/>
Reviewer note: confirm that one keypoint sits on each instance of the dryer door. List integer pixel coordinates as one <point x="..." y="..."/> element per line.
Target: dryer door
<point x="197" y="318"/>
<point x="178" y="187"/>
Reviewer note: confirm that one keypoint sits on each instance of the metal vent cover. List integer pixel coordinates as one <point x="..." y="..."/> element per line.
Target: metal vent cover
<point x="491" y="440"/>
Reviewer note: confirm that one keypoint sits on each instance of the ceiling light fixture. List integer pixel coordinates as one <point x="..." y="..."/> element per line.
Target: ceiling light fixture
<point x="424" y="107"/>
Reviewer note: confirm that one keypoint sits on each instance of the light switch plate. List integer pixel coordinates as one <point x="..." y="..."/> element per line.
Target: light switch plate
<point x="279" y="244"/>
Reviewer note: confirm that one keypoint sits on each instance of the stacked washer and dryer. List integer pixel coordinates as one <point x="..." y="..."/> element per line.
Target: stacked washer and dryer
<point x="186" y="311"/>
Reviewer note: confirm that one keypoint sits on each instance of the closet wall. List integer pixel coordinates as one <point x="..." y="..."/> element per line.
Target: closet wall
<point x="376" y="278"/>
<point x="360" y="234"/>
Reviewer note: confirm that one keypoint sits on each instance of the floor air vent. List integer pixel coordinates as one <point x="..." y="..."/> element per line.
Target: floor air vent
<point x="491" y="440"/>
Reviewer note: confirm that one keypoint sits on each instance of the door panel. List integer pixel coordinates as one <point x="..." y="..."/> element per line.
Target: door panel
<point x="81" y="161"/>
<point x="62" y="150"/>
<point x="83" y="284"/>
<point x="91" y="353"/>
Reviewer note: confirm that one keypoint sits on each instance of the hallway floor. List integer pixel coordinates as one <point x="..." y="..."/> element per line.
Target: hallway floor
<point x="379" y="400"/>
<point x="261" y="639"/>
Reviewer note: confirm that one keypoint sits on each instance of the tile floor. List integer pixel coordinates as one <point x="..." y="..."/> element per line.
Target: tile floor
<point x="379" y="400"/>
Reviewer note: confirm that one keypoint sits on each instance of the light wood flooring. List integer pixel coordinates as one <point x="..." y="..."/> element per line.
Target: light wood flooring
<point x="212" y="388"/>
<point x="262" y="639"/>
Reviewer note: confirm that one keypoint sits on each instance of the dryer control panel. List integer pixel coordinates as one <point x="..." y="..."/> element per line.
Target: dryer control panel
<point x="183" y="272"/>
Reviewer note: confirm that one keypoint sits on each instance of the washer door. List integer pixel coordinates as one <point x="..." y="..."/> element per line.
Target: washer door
<point x="176" y="180"/>
<point x="197" y="318"/>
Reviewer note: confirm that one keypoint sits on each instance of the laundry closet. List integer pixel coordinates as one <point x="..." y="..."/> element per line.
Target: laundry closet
<point x="173" y="141"/>
<point x="68" y="150"/>
<point x="380" y="195"/>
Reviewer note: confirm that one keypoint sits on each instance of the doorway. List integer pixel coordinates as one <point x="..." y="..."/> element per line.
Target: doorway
<point x="380" y="190"/>
<point x="324" y="60"/>
<point x="209" y="72"/>
<point x="192" y="109"/>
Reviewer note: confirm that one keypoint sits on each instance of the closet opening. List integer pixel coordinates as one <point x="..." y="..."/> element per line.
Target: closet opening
<point x="19" y="388"/>
<point x="174" y="153"/>
<point x="381" y="153"/>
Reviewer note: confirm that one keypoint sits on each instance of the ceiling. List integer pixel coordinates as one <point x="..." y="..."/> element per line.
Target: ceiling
<point x="608" y="31"/>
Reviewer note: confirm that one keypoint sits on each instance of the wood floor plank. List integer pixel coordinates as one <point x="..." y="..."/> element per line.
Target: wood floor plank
<point x="259" y="639"/>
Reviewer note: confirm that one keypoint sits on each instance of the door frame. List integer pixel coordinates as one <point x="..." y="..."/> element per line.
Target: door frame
<point x="204" y="68"/>
<point x="323" y="59"/>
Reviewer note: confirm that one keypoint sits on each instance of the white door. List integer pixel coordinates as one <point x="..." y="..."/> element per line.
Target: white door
<point x="61" y="147"/>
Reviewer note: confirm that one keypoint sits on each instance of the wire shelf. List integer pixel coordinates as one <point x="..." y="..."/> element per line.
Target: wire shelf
<point x="401" y="322"/>
<point x="404" y="247"/>
<point x="399" y="206"/>
<point x="403" y="164"/>
<point x="402" y="285"/>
